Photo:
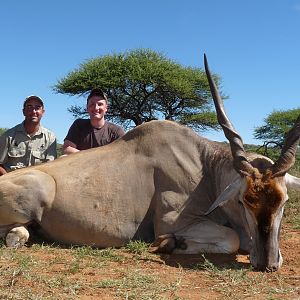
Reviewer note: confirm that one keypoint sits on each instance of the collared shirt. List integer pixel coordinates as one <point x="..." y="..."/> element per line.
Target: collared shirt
<point x="18" y="149"/>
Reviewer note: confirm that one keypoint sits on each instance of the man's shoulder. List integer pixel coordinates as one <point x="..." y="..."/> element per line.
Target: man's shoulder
<point x="114" y="129"/>
<point x="113" y="126"/>
<point x="82" y="122"/>
<point x="13" y="130"/>
<point x="48" y="132"/>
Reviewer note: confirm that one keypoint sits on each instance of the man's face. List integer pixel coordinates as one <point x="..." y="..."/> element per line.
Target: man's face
<point x="33" y="111"/>
<point x="97" y="107"/>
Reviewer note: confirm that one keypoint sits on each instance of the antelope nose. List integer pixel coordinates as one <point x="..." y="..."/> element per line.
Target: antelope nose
<point x="271" y="269"/>
<point x="268" y="269"/>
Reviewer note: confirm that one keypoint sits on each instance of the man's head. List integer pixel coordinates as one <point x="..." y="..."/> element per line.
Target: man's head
<point x="97" y="104"/>
<point x="33" y="109"/>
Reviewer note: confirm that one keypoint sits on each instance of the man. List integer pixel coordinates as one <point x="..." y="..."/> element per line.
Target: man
<point x="94" y="132"/>
<point x="28" y="143"/>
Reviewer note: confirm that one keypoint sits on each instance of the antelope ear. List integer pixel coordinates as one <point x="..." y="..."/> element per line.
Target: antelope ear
<point x="292" y="182"/>
<point x="229" y="193"/>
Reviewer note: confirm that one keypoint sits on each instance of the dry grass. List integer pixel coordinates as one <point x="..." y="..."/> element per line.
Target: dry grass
<point x="50" y="272"/>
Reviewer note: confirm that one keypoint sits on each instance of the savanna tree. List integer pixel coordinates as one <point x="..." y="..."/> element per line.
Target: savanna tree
<point x="143" y="85"/>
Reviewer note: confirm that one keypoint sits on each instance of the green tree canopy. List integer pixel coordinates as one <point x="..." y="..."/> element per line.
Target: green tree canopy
<point x="2" y="130"/>
<point x="144" y="85"/>
<point x="277" y="124"/>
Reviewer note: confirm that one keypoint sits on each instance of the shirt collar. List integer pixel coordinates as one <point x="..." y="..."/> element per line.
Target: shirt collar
<point x="21" y="128"/>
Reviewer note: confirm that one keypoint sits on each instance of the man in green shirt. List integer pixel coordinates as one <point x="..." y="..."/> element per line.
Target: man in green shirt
<point x="28" y="143"/>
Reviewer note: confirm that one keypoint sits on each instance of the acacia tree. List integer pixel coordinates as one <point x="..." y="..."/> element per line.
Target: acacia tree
<point x="2" y="130"/>
<point x="277" y="124"/>
<point x="144" y="85"/>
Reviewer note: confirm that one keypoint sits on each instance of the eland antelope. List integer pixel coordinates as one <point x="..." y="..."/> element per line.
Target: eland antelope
<point x="161" y="183"/>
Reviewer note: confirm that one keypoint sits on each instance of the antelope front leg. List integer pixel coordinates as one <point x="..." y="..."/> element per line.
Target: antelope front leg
<point x="17" y="237"/>
<point x="205" y="236"/>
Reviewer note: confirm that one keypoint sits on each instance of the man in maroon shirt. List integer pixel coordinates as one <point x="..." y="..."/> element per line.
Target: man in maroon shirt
<point x="94" y="132"/>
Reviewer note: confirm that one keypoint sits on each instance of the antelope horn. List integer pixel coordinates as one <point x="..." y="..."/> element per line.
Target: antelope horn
<point x="288" y="152"/>
<point x="240" y="161"/>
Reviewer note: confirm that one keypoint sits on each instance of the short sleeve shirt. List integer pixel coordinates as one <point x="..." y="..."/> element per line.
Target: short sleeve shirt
<point x="19" y="150"/>
<point x="85" y="136"/>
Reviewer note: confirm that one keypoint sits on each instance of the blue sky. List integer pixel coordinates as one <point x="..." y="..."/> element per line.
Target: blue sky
<point x="253" y="45"/>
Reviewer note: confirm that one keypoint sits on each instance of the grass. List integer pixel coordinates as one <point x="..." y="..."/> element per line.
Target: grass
<point x="47" y="272"/>
<point x="234" y="282"/>
<point x="69" y="272"/>
<point x="137" y="247"/>
<point x="100" y="255"/>
<point x="136" y="285"/>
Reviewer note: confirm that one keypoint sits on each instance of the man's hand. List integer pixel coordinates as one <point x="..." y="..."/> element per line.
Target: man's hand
<point x="69" y="147"/>
<point x="2" y="171"/>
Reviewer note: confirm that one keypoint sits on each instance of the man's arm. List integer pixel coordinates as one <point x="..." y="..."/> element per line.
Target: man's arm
<point x="52" y="149"/>
<point x="3" y="154"/>
<point x="73" y="134"/>
<point x="69" y="147"/>
<point x="2" y="170"/>
<point x="120" y="132"/>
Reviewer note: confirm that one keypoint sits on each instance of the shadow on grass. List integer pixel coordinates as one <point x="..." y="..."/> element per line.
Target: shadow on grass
<point x="188" y="261"/>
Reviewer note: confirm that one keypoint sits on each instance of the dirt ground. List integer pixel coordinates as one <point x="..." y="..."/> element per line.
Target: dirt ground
<point x="46" y="272"/>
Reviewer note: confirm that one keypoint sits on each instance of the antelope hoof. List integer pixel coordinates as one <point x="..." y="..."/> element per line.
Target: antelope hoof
<point x="17" y="237"/>
<point x="167" y="243"/>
